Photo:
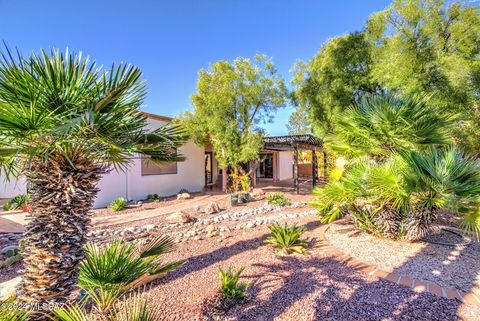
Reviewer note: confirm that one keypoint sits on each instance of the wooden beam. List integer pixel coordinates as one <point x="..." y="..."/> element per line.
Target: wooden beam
<point x="314" y="168"/>
<point x="295" y="170"/>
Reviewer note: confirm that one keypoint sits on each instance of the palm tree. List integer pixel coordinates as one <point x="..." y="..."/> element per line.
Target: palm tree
<point x="65" y="122"/>
<point x="401" y="170"/>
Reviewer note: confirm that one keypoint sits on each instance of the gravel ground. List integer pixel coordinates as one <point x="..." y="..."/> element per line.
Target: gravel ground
<point x="450" y="266"/>
<point x="310" y="287"/>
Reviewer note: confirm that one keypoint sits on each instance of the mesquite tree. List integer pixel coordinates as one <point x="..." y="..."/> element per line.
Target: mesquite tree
<point x="64" y="122"/>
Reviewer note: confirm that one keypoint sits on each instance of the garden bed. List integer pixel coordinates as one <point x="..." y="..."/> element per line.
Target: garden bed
<point x="456" y="265"/>
<point x="315" y="286"/>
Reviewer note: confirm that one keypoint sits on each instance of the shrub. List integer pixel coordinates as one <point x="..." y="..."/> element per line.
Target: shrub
<point x="109" y="271"/>
<point x="230" y="286"/>
<point x="277" y="198"/>
<point x="19" y="201"/>
<point x="7" y="206"/>
<point x="9" y="313"/>
<point x="183" y="190"/>
<point x="134" y="308"/>
<point x="154" y="197"/>
<point x="118" y="204"/>
<point x="287" y="238"/>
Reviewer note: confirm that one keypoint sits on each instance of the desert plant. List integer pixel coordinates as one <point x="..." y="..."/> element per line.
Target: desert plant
<point x="154" y="197"/>
<point x="287" y="238"/>
<point x="12" y="314"/>
<point x="20" y="200"/>
<point x="64" y="122"/>
<point x="109" y="271"/>
<point x="133" y="308"/>
<point x="118" y="204"/>
<point x="398" y="180"/>
<point x="7" y="206"/>
<point x="230" y="285"/>
<point x="277" y="198"/>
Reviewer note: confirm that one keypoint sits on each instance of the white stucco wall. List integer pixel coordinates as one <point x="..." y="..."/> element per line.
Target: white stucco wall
<point x="285" y="165"/>
<point x="10" y="188"/>
<point x="132" y="185"/>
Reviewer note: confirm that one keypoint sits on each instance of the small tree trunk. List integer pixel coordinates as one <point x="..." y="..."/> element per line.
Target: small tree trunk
<point x="62" y="195"/>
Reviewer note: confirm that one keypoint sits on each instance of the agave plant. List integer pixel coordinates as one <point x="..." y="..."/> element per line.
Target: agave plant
<point x="64" y="122"/>
<point x="287" y="238"/>
<point x="398" y="180"/>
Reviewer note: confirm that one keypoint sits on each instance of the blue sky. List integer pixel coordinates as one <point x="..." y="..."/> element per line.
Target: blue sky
<point x="171" y="40"/>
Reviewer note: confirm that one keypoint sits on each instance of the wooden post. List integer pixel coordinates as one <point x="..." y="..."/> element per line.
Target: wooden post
<point x="224" y="180"/>
<point x="314" y="168"/>
<point x="295" y="170"/>
<point x="325" y="166"/>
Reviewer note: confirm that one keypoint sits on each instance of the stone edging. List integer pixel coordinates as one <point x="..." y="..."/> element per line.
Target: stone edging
<point x="417" y="285"/>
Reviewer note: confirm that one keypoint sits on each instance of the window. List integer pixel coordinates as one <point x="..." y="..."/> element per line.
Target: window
<point x="151" y="168"/>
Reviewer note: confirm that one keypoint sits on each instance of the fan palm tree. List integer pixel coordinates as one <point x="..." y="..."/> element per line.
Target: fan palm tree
<point x="65" y="122"/>
<point x="401" y="170"/>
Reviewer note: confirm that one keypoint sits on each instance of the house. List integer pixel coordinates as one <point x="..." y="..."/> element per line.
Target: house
<point x="199" y="170"/>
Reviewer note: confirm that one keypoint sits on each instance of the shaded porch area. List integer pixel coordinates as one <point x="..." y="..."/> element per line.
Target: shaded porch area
<point x="295" y="144"/>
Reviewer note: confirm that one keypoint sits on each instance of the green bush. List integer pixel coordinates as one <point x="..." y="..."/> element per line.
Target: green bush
<point x="183" y="190"/>
<point x="134" y="308"/>
<point x="17" y="202"/>
<point x="277" y="198"/>
<point x="287" y="238"/>
<point x="154" y="197"/>
<point x="7" y="206"/>
<point x="118" y="204"/>
<point x="7" y="313"/>
<point x="230" y="286"/>
<point x="109" y="271"/>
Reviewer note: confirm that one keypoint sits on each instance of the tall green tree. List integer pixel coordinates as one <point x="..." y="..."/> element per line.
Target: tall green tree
<point x="64" y="122"/>
<point x="432" y="47"/>
<point x="335" y="78"/>
<point x="231" y="102"/>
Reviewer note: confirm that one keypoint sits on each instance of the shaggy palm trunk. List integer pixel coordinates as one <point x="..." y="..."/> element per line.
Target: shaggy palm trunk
<point x="62" y="194"/>
<point x="389" y="220"/>
<point x="419" y="223"/>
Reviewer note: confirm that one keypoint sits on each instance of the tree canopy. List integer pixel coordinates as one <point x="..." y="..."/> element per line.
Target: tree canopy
<point x="412" y="47"/>
<point x="231" y="101"/>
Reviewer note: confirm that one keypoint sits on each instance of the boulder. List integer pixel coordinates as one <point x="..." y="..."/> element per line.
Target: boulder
<point x="183" y="196"/>
<point x="212" y="208"/>
<point x="257" y="194"/>
<point x="8" y="288"/>
<point x="180" y="217"/>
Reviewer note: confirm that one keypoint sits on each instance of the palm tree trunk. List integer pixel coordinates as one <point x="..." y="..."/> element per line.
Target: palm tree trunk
<point x="62" y="193"/>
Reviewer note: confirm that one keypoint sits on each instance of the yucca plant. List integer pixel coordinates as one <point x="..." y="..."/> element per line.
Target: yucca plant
<point x="277" y="198"/>
<point x="118" y="204"/>
<point x="115" y="268"/>
<point x="287" y="238"/>
<point x="64" y="122"/>
<point x="230" y="285"/>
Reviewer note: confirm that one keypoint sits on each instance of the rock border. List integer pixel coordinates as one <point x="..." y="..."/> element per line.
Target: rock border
<point x="417" y="285"/>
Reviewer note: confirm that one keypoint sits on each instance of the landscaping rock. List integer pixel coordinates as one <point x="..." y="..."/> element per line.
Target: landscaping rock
<point x="212" y="208"/>
<point x="8" y="288"/>
<point x="257" y="194"/>
<point x="180" y="217"/>
<point x="149" y="227"/>
<point x="183" y="196"/>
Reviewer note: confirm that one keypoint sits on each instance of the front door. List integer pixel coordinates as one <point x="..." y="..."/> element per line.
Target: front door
<point x="265" y="168"/>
